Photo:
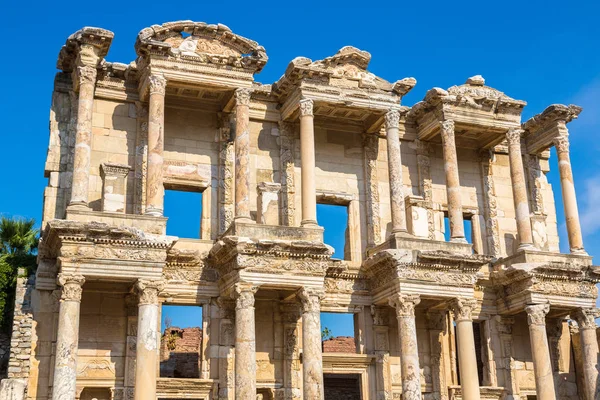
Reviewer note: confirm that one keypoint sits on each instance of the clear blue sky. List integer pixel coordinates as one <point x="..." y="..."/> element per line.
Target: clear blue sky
<point x="540" y="51"/>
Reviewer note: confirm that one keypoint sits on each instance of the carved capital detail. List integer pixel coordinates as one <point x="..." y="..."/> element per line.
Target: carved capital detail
<point x="244" y="295"/>
<point x="463" y="308"/>
<point x="536" y="314"/>
<point x="310" y="299"/>
<point x="242" y="97"/>
<point x="392" y="119"/>
<point x="157" y="84"/>
<point x="586" y="317"/>
<point x="562" y="144"/>
<point x="405" y="304"/>
<point x="447" y="127"/>
<point x="306" y="107"/>
<point x="87" y="74"/>
<point x="148" y="290"/>
<point x="514" y="135"/>
<point x="71" y="286"/>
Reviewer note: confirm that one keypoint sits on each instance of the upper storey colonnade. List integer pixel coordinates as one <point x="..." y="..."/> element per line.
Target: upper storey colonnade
<point x="472" y="114"/>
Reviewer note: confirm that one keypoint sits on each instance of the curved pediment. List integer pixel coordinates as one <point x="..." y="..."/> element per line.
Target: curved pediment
<point x="201" y="42"/>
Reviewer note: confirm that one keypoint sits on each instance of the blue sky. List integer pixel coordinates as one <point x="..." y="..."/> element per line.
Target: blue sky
<point x="543" y="52"/>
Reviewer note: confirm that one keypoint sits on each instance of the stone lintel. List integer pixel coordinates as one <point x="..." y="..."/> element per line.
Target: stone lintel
<point x="402" y="241"/>
<point x="536" y="257"/>
<point x="542" y="129"/>
<point x="149" y="224"/>
<point x="271" y="232"/>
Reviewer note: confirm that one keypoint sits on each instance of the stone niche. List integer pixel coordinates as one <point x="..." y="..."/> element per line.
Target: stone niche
<point x="114" y="196"/>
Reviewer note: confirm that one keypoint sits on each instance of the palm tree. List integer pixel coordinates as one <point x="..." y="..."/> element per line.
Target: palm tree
<point x="18" y="249"/>
<point x="18" y="236"/>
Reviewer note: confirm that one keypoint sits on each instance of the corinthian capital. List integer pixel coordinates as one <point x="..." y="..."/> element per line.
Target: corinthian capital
<point x="514" y="135"/>
<point x="586" y="317"/>
<point x="148" y="290"/>
<point x="157" y="84"/>
<point x="306" y="107"/>
<point x="392" y="119"/>
<point x="463" y="308"/>
<point x="447" y="127"/>
<point x="562" y="144"/>
<point x="405" y="304"/>
<point x="244" y="295"/>
<point x="71" y="286"/>
<point x="310" y="299"/>
<point x="242" y="97"/>
<point x="536" y="314"/>
<point x="86" y="74"/>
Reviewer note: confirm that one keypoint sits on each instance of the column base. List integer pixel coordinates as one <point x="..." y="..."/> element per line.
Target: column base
<point x="579" y="252"/>
<point x="309" y="223"/>
<point x="154" y="212"/>
<point x="459" y="240"/>
<point x="527" y="246"/>
<point x="78" y="206"/>
<point x="400" y="233"/>
<point x="244" y="220"/>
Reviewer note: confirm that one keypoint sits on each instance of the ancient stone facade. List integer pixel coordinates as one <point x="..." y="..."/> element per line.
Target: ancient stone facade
<point x="505" y="316"/>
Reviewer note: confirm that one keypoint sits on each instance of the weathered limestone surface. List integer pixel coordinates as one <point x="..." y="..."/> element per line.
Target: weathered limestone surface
<point x="188" y="115"/>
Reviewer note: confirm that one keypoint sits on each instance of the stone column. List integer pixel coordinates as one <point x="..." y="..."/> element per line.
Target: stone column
<point x="147" y="339"/>
<point x="85" y="79"/>
<point x="312" y="357"/>
<point x="409" y="352"/>
<point x="392" y="124"/>
<point x="519" y="186"/>
<point x="542" y="366"/>
<point x="307" y="157"/>
<point x="568" y="194"/>
<point x="242" y="155"/>
<point x="586" y="320"/>
<point x="245" y="342"/>
<point x="467" y="362"/>
<point x="67" y="338"/>
<point x="455" y="214"/>
<point x="156" y="142"/>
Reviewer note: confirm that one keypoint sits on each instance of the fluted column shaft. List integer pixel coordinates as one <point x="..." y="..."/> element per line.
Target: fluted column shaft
<point x="467" y="361"/>
<point x="392" y="124"/>
<point x="307" y="156"/>
<point x="517" y="176"/>
<point x="245" y="343"/>
<point x="155" y="190"/>
<point x="147" y="338"/>
<point x="86" y="81"/>
<point x="409" y="352"/>
<point x="242" y="155"/>
<point x="542" y="366"/>
<point x="455" y="214"/>
<point x="586" y="320"/>
<point x="568" y="195"/>
<point x="312" y="357"/>
<point x="67" y="339"/>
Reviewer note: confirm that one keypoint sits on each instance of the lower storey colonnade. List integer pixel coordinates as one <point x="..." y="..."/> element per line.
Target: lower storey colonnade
<point x="308" y="342"/>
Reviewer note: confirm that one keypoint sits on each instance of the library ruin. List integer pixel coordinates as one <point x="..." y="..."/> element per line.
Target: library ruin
<point x="451" y="271"/>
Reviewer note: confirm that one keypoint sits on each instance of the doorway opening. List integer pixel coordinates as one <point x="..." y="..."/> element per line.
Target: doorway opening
<point x="342" y="386"/>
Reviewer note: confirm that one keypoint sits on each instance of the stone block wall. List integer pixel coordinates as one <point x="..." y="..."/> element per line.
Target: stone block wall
<point x="180" y="352"/>
<point x="20" y="344"/>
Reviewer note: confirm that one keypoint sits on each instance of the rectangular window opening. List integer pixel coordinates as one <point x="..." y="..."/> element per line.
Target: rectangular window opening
<point x="334" y="219"/>
<point x="181" y="341"/>
<point x="338" y="332"/>
<point x="467" y="224"/>
<point x="183" y="208"/>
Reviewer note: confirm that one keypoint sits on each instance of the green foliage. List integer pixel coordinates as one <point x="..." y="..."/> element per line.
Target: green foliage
<point x="326" y="334"/>
<point x="18" y="247"/>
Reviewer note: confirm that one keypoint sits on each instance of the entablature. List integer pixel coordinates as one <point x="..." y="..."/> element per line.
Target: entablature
<point x="542" y="130"/>
<point x="482" y="115"/>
